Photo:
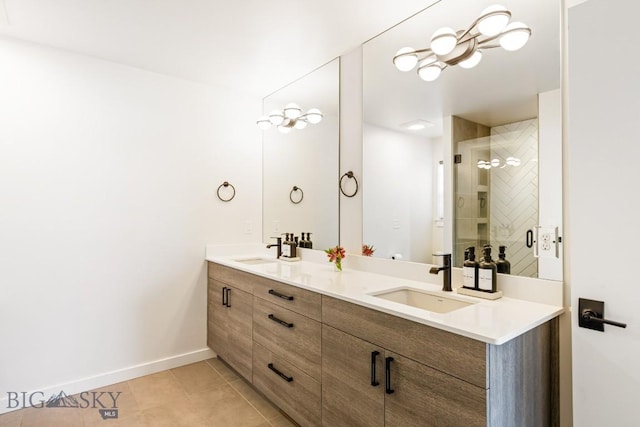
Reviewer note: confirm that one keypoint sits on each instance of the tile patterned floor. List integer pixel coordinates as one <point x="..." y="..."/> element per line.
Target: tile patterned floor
<point x="207" y="394"/>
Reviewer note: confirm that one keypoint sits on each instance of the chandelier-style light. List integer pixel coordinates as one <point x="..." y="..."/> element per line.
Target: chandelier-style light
<point x="464" y="47"/>
<point x="290" y="118"/>
<point x="496" y="163"/>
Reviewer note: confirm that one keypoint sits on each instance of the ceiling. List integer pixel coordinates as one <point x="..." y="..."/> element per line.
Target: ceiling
<point x="254" y="46"/>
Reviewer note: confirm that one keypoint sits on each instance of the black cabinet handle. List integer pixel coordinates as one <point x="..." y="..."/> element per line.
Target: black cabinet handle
<point x="374" y="355"/>
<point x="280" y="374"/>
<point x="279" y="295"/>
<point x="529" y="241"/>
<point x="224" y="296"/>
<point x="282" y="322"/>
<point x="228" y="304"/>
<point x="387" y="376"/>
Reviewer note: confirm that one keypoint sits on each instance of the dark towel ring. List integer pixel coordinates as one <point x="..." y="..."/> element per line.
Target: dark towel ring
<point x="296" y="188"/>
<point x="226" y="184"/>
<point x="350" y="176"/>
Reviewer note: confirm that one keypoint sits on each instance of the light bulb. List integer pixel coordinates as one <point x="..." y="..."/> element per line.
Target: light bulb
<point x="443" y="41"/>
<point x="284" y="129"/>
<point x="314" y="116"/>
<point x="276" y="117"/>
<point x="472" y="61"/>
<point x="514" y="36"/>
<point x="430" y="72"/>
<point x="292" y="111"/>
<point x="405" y="62"/>
<point x="263" y="123"/>
<point x="300" y="124"/>
<point x="493" y="19"/>
<point x="495" y="163"/>
<point x="481" y="164"/>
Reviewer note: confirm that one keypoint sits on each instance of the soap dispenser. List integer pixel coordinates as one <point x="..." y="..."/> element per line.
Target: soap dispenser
<point x="286" y="246"/>
<point x="503" y="266"/>
<point x="487" y="272"/>
<point x="309" y="242"/>
<point x="470" y="269"/>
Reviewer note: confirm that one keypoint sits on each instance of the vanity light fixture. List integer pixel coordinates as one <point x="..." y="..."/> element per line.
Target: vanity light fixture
<point x="495" y="163"/>
<point x="290" y="117"/>
<point x="464" y="47"/>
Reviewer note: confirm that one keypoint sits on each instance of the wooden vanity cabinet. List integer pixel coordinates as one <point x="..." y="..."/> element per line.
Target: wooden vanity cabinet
<point x="230" y="325"/>
<point x="429" y="377"/>
<point x="325" y="361"/>
<point x="356" y="390"/>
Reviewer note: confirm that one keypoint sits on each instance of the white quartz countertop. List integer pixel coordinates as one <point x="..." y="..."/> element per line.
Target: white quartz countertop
<point x="493" y="322"/>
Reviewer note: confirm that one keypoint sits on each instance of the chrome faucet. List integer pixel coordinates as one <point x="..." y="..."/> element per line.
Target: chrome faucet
<point x="278" y="245"/>
<point x="446" y="267"/>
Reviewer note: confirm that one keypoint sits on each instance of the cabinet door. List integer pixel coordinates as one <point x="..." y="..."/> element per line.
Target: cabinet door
<point x="239" y="331"/>
<point x="349" y="365"/>
<point x="422" y="397"/>
<point x="216" y="319"/>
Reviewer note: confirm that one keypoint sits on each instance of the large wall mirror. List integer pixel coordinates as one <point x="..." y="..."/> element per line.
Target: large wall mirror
<point x="416" y="199"/>
<point x="300" y="160"/>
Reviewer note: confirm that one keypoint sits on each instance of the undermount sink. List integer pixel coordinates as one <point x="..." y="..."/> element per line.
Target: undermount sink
<point x="255" y="261"/>
<point x="423" y="300"/>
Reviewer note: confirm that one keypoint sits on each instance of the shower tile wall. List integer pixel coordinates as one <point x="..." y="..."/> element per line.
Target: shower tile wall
<point x="514" y="193"/>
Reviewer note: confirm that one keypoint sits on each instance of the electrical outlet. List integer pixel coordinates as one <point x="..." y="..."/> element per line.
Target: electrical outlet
<point x="396" y="224"/>
<point x="546" y="242"/>
<point x="276" y="226"/>
<point x="248" y="227"/>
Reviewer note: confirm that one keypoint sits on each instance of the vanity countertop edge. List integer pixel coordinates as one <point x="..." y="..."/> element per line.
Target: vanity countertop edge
<point x="493" y="322"/>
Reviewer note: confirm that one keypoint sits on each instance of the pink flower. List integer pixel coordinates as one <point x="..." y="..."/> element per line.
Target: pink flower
<point x="368" y="250"/>
<point x="336" y="255"/>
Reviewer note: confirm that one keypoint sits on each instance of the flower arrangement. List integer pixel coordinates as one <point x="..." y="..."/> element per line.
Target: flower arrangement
<point x="368" y="250"/>
<point x="336" y="255"/>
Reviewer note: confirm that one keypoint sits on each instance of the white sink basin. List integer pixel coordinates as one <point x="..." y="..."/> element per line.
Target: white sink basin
<point x="424" y="300"/>
<point x="255" y="261"/>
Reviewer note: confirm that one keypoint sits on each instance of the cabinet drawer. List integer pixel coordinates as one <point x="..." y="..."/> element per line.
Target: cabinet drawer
<point x="456" y="355"/>
<point x="289" y="388"/>
<point x="301" y="301"/>
<point x="290" y="335"/>
<point x="231" y="276"/>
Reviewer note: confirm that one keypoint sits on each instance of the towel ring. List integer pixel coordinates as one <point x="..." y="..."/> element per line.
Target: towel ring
<point x="226" y="184"/>
<point x="296" y="188"/>
<point x="350" y="176"/>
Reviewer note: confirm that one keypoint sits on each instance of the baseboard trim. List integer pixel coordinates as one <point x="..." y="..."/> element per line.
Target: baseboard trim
<point x="120" y="375"/>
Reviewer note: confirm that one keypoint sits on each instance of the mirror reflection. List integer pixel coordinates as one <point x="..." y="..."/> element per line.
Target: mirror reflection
<point x="300" y="158"/>
<point x="488" y="114"/>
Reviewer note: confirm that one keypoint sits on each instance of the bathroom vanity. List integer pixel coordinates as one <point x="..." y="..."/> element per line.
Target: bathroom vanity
<point x="328" y="349"/>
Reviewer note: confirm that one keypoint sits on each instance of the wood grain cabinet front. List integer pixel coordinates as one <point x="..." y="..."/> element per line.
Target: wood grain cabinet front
<point x="291" y="389"/>
<point x="290" y="335"/>
<point x="230" y="326"/>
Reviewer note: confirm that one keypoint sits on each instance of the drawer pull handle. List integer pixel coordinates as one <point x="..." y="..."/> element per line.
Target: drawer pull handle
<point x="280" y="374"/>
<point x="227" y="303"/>
<point x="387" y="377"/>
<point x="224" y="296"/>
<point x="282" y="322"/>
<point x="279" y="295"/>
<point x="374" y="355"/>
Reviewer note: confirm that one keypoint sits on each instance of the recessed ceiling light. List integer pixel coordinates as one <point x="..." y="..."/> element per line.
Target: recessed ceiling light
<point x="417" y="125"/>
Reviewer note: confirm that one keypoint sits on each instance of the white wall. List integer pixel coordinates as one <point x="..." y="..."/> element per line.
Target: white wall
<point x="398" y="199"/>
<point x="107" y="181"/>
